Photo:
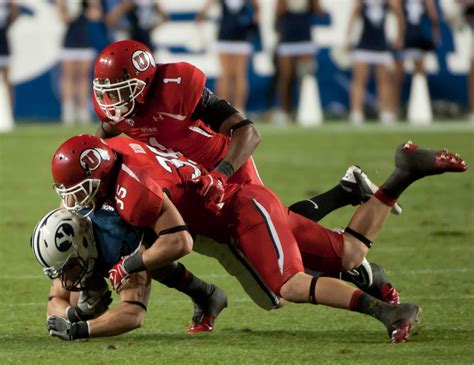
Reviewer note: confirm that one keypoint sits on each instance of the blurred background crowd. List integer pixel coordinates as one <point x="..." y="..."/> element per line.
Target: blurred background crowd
<point x="279" y="60"/>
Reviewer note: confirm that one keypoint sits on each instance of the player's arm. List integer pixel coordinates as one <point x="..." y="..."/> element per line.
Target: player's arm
<point x="173" y="242"/>
<point x="396" y="7"/>
<point x="106" y="130"/>
<point x="433" y="15"/>
<point x="129" y="314"/>
<point x="317" y="9"/>
<point x="125" y="317"/>
<point x="117" y="12"/>
<point x="356" y="10"/>
<point x="222" y="117"/>
<point x="59" y="299"/>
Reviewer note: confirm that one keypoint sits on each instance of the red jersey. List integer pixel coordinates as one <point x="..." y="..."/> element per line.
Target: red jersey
<point x="165" y="118"/>
<point x="146" y="172"/>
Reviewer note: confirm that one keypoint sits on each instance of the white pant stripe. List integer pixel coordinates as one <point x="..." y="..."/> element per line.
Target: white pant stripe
<point x="273" y="234"/>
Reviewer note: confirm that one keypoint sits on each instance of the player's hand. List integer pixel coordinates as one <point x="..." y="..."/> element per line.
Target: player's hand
<point x="118" y="276"/>
<point x="62" y="328"/>
<point x="211" y="187"/>
<point x="91" y="304"/>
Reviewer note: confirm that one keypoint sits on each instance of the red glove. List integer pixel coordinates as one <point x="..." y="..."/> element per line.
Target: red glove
<point x="118" y="276"/>
<point x="211" y="187"/>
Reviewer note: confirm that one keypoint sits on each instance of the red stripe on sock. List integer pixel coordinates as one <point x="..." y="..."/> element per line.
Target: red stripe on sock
<point x="384" y="198"/>
<point x="355" y="300"/>
<point x="184" y="280"/>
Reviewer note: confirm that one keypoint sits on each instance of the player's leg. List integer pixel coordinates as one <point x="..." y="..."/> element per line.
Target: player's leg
<point x="322" y="251"/>
<point x="384" y="92"/>
<point x="223" y="81"/>
<point x="354" y="188"/>
<point x="260" y="217"/>
<point x="208" y="299"/>
<point x="240" y="81"/>
<point x="399" y="319"/>
<point x="360" y="75"/>
<point x="286" y="72"/>
<point x="411" y="163"/>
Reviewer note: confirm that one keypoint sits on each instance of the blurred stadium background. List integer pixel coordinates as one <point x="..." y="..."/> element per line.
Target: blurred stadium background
<point x="428" y="251"/>
<point x="36" y="39"/>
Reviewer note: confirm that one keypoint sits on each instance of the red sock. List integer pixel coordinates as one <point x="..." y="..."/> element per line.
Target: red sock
<point x="355" y="299"/>
<point x="384" y="198"/>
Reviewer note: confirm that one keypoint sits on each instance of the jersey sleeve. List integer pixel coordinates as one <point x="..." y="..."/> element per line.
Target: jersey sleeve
<point x="138" y="198"/>
<point x="184" y="84"/>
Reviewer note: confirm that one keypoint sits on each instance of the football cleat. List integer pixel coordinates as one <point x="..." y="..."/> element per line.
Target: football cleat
<point x="361" y="188"/>
<point x="402" y="321"/>
<point x="206" y="314"/>
<point x="424" y="162"/>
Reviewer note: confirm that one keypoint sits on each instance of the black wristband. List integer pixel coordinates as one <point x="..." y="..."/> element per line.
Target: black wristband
<point x="82" y="330"/>
<point x="225" y="168"/>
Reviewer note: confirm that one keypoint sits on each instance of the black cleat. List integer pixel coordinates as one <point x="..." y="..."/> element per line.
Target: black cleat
<point x="206" y="313"/>
<point x="358" y="185"/>
<point x="422" y="162"/>
<point x="401" y="321"/>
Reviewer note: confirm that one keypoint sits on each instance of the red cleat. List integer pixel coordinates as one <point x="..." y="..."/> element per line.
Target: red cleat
<point x="389" y="294"/>
<point x="423" y="162"/>
<point x="206" y="325"/>
<point x="405" y="322"/>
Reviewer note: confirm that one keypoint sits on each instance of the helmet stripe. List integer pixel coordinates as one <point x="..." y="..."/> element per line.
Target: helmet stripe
<point x="36" y="241"/>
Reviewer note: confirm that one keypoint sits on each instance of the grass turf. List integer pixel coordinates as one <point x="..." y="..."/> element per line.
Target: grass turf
<point x="428" y="253"/>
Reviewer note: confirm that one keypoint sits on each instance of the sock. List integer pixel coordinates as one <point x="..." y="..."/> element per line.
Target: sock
<point x="364" y="303"/>
<point x="184" y="281"/>
<point x="321" y="205"/>
<point x="397" y="182"/>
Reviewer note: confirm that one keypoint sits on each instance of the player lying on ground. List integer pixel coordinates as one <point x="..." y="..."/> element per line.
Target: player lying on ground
<point x="79" y="252"/>
<point x="276" y="241"/>
<point x="168" y="106"/>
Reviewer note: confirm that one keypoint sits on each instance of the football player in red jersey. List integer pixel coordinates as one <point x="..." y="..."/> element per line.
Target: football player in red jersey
<point x="168" y="106"/>
<point x="151" y="188"/>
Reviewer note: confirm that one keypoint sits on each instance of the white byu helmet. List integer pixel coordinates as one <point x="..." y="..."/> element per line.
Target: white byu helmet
<point x="64" y="245"/>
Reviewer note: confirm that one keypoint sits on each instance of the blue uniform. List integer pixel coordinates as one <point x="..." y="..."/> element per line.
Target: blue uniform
<point x="373" y="37"/>
<point x="142" y="21"/>
<point x="77" y="34"/>
<point x="417" y="36"/>
<point x="236" y="20"/>
<point x="295" y="25"/>
<point x="114" y="238"/>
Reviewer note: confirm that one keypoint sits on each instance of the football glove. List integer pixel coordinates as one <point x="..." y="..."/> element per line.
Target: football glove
<point x="211" y="187"/>
<point x="118" y="276"/>
<point x="91" y="304"/>
<point x="62" y="328"/>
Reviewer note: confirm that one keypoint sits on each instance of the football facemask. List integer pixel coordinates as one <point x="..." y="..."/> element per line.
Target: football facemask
<point x="117" y="100"/>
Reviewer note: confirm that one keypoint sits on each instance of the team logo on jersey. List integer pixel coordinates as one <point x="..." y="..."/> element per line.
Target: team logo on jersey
<point x="142" y="60"/>
<point x="63" y="237"/>
<point x="91" y="158"/>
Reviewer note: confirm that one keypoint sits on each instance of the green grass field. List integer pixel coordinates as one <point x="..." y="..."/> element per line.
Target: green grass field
<point x="428" y="253"/>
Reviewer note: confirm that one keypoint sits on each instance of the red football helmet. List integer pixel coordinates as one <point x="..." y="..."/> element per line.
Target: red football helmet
<point x="82" y="170"/>
<point x="123" y="72"/>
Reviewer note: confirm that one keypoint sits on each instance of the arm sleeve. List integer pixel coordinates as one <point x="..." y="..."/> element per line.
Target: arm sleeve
<point x="212" y="110"/>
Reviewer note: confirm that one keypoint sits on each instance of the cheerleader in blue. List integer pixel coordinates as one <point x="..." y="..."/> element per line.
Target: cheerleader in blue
<point x="237" y="26"/>
<point x="373" y="50"/>
<point x="141" y="17"/>
<point x="419" y="39"/>
<point x="77" y="56"/>
<point x="9" y="11"/>
<point x="468" y="12"/>
<point x="296" y="51"/>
